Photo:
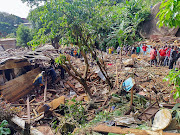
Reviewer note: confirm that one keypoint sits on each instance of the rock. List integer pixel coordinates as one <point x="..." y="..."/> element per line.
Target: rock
<point x="161" y="120"/>
<point x="128" y="62"/>
<point x="150" y="28"/>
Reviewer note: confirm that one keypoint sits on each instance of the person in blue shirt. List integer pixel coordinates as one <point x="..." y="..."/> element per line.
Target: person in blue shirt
<point x="38" y="81"/>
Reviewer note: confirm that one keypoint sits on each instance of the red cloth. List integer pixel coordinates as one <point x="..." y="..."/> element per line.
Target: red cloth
<point x="153" y="54"/>
<point x="168" y="53"/>
<point x="144" y="47"/>
<point x="162" y="52"/>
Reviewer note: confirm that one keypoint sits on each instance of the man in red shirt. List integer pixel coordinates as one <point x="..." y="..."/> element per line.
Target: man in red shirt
<point x="166" y="60"/>
<point x="153" y="54"/>
<point x="144" y="48"/>
<point x="162" y="53"/>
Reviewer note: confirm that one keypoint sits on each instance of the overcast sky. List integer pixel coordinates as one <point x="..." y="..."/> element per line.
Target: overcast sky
<point x="15" y="7"/>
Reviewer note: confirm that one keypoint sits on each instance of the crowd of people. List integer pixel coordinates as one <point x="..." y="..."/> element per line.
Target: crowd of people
<point x="167" y="55"/>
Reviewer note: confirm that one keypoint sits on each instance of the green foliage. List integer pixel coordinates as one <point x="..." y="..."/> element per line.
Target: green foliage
<point x="61" y="59"/>
<point x="125" y="30"/>
<point x="6" y="28"/>
<point x="91" y="21"/>
<point x="174" y="78"/>
<point x="11" y="35"/>
<point x="33" y="2"/>
<point x="3" y="129"/>
<point x="176" y="110"/>
<point x="8" y="23"/>
<point x="76" y="111"/>
<point x="169" y="13"/>
<point x="24" y="35"/>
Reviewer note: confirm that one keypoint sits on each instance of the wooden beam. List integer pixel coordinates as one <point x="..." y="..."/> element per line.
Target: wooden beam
<point x="20" y="86"/>
<point x="119" y="130"/>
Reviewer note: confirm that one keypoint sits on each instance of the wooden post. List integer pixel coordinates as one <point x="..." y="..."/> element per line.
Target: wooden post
<point x="28" y="111"/>
<point x="120" y="58"/>
<point x="45" y="89"/>
<point x="117" y="81"/>
<point x="131" y="102"/>
<point x="27" y="125"/>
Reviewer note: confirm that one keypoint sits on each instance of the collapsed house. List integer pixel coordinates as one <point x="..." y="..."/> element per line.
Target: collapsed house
<point x="19" y="68"/>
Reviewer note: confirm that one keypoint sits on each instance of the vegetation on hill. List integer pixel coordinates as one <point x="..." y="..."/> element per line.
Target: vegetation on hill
<point x="8" y="23"/>
<point x="23" y="35"/>
<point x="107" y="23"/>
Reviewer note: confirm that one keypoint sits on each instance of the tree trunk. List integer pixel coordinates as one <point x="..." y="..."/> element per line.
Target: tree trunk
<point x="56" y="41"/>
<point x="86" y="88"/>
<point x="105" y="75"/>
<point x="52" y="42"/>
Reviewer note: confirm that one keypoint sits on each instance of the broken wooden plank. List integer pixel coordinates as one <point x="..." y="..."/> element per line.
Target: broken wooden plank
<point x="118" y="130"/>
<point x="20" y="86"/>
<point x="21" y="123"/>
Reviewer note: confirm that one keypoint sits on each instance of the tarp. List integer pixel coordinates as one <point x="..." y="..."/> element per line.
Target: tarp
<point x="128" y="84"/>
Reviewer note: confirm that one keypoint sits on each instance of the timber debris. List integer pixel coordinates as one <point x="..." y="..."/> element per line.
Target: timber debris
<point x="136" y="86"/>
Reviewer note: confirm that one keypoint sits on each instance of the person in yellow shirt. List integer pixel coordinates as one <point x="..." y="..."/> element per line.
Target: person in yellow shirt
<point x="110" y="50"/>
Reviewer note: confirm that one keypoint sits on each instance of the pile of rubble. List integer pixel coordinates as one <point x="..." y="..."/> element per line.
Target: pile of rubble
<point x="137" y="86"/>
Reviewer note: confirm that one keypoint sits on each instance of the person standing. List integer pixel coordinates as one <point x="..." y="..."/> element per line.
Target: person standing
<point x="162" y="53"/>
<point x="153" y="55"/>
<point x="166" y="60"/>
<point x="138" y="50"/>
<point x="144" y="48"/>
<point x="173" y="57"/>
<point x="133" y="51"/>
<point x="110" y="50"/>
<point x="126" y="50"/>
<point x="118" y="49"/>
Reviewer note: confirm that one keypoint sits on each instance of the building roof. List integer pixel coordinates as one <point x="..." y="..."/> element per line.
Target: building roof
<point x="7" y="39"/>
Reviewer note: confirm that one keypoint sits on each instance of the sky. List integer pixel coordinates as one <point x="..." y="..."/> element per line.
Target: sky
<point x="15" y="7"/>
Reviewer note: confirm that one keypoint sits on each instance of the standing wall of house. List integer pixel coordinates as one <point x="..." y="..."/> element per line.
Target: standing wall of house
<point x="8" y="43"/>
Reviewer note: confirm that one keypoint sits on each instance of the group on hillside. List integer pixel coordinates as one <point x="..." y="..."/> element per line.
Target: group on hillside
<point x="166" y="56"/>
<point x="159" y="56"/>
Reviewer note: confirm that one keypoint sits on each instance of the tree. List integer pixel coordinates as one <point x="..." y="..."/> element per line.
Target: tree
<point x="33" y="2"/>
<point x="8" y="23"/>
<point x="23" y="35"/>
<point x="169" y="13"/>
<point x="70" y="22"/>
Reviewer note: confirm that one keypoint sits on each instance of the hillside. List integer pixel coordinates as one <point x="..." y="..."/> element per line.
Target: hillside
<point x="8" y="23"/>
